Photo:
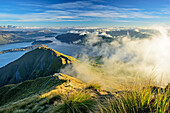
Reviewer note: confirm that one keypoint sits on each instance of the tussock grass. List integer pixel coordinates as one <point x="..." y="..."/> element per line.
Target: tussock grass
<point x="76" y="102"/>
<point x="93" y="85"/>
<point x="145" y="99"/>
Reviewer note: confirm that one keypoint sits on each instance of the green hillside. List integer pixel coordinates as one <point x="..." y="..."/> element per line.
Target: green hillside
<point x="70" y="95"/>
<point x="32" y="96"/>
<point x="15" y="92"/>
<point x="42" y="61"/>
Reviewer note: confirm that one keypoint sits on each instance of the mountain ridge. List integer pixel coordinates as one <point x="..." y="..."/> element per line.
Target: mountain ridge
<point x="42" y="61"/>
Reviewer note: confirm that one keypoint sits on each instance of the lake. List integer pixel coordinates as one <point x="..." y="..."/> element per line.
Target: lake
<point x="68" y="49"/>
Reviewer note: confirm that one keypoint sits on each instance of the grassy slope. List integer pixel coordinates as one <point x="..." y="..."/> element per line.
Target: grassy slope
<point x="14" y="92"/>
<point x="27" y="96"/>
<point x="70" y="94"/>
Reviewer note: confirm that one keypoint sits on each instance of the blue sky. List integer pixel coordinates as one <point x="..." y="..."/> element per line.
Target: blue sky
<point x="97" y="13"/>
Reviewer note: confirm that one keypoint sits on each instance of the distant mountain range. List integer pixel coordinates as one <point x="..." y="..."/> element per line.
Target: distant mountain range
<point x="22" y="36"/>
<point x="105" y="37"/>
<point x="75" y="38"/>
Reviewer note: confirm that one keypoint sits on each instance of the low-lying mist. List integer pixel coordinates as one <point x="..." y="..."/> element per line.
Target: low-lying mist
<point x="126" y="60"/>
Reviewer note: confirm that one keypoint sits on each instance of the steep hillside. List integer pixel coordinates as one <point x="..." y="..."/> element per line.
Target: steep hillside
<point x="39" y="62"/>
<point x="15" y="92"/>
<point x="47" y="95"/>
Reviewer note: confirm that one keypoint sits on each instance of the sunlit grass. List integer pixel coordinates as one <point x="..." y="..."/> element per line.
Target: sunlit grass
<point x="76" y="102"/>
<point x="141" y="100"/>
<point x="93" y="85"/>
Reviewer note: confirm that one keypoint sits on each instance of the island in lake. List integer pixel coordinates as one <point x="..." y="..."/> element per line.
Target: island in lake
<point x="22" y="49"/>
<point x="38" y="42"/>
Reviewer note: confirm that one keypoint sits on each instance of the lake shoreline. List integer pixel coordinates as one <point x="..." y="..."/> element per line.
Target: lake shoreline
<point x="21" y="49"/>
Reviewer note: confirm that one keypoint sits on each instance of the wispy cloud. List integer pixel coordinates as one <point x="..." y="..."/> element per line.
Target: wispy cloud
<point x="71" y="5"/>
<point x="76" y="11"/>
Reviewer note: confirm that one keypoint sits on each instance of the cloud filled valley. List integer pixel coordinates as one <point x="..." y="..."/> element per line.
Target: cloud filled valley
<point x="125" y="59"/>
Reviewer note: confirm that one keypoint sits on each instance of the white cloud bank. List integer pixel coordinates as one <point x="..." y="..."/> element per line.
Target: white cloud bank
<point x="127" y="59"/>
